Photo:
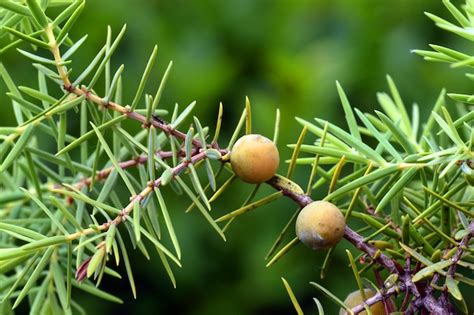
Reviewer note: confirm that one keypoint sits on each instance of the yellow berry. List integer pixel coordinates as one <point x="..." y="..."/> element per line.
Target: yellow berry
<point x="254" y="158"/>
<point x="355" y="298"/>
<point x="320" y="225"/>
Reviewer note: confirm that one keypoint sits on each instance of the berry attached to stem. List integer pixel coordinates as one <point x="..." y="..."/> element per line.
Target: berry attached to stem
<point x="320" y="225"/>
<point x="355" y="298"/>
<point x="254" y="158"/>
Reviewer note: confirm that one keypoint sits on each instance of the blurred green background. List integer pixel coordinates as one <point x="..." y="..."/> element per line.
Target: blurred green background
<point x="282" y="54"/>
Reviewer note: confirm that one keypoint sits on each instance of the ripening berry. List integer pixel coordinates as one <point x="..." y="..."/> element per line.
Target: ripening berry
<point x="355" y="298"/>
<point x="254" y="158"/>
<point x="320" y="225"/>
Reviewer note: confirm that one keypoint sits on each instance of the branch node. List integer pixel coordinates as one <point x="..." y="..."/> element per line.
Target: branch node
<point x="151" y="184"/>
<point x="68" y="87"/>
<point x="123" y="214"/>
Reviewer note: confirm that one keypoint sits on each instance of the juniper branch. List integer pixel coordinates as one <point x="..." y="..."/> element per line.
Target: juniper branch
<point x="92" y="97"/>
<point x="379" y="296"/>
<point x="134" y="199"/>
<point x="349" y="234"/>
<point x="422" y="291"/>
<point x="461" y="247"/>
<point x="406" y="283"/>
<point x="141" y="159"/>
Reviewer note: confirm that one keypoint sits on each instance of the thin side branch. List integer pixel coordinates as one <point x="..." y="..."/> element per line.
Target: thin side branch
<point x="427" y="300"/>
<point x="104" y="173"/>
<point x="463" y="244"/>
<point x="423" y="298"/>
<point x="138" y="198"/>
<point x="57" y="55"/>
<point x="349" y="234"/>
<point x="54" y="48"/>
<point x="379" y="296"/>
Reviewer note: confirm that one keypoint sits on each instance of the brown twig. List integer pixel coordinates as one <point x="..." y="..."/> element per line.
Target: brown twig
<point x="130" y="114"/>
<point x="405" y="277"/>
<point x="90" y="96"/>
<point x="461" y="246"/>
<point x="138" y="198"/>
<point x="350" y="235"/>
<point x="104" y="173"/>
<point x="141" y="159"/>
<point x="379" y="296"/>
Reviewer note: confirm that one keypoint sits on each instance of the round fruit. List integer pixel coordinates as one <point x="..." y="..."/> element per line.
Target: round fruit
<point x="320" y="225"/>
<point x="254" y="158"/>
<point x="355" y="298"/>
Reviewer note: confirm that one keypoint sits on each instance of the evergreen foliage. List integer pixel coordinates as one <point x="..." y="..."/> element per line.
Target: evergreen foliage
<point x="64" y="222"/>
